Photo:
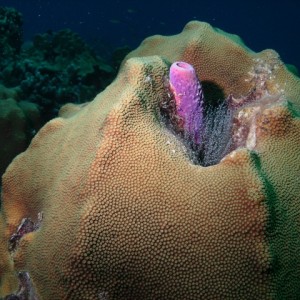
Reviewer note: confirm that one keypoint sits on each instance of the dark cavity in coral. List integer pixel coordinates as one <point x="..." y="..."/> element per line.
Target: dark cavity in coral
<point x="26" y="226"/>
<point x="216" y="132"/>
<point x="25" y="289"/>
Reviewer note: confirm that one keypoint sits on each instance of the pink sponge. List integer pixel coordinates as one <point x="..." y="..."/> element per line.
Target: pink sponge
<point x="189" y="99"/>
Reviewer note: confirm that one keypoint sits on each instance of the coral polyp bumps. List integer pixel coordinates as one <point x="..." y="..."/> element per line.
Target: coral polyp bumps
<point x="126" y="215"/>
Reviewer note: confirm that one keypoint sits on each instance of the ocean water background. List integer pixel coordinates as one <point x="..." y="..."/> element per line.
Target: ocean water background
<point x="107" y="24"/>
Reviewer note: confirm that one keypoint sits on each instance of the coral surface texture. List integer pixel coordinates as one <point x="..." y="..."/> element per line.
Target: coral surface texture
<point x="111" y="201"/>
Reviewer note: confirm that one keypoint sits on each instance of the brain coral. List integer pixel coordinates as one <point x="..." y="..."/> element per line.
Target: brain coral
<point x="128" y="215"/>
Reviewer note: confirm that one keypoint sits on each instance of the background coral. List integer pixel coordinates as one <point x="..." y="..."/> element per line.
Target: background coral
<point x="57" y="68"/>
<point x="11" y="35"/>
<point x="19" y="121"/>
<point x="54" y="69"/>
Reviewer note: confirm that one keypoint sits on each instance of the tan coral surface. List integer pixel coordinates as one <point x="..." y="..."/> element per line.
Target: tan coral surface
<point x="127" y="215"/>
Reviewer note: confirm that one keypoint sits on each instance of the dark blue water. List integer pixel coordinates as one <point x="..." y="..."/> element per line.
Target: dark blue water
<point x="106" y="24"/>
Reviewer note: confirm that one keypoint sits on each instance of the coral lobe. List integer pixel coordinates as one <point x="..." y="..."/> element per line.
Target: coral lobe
<point x="126" y="212"/>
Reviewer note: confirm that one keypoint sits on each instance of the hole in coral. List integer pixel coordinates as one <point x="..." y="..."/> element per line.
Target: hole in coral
<point x="25" y="289"/>
<point x="222" y="124"/>
<point x="214" y="95"/>
<point x="215" y="132"/>
<point x="26" y="226"/>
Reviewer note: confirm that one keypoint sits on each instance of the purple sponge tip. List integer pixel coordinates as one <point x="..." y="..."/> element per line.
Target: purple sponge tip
<point x="188" y="94"/>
